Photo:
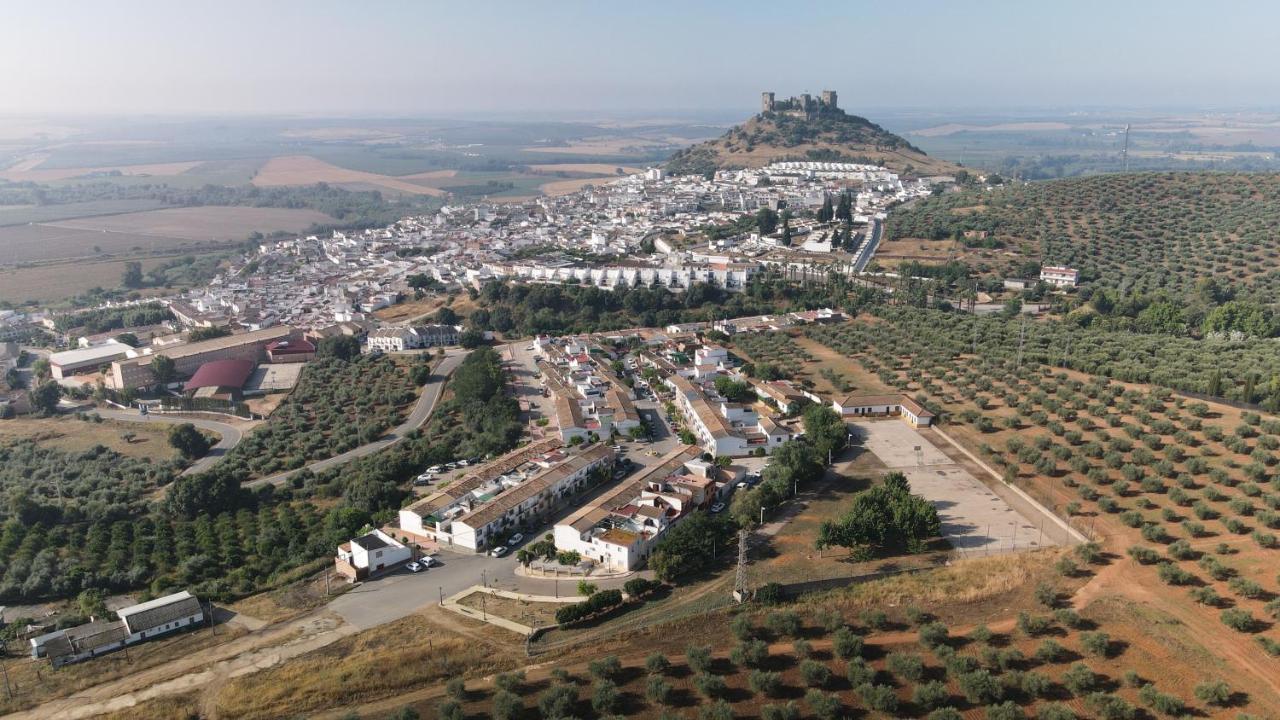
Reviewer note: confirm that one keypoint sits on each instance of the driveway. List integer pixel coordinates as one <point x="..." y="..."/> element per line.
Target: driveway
<point x="421" y="412"/>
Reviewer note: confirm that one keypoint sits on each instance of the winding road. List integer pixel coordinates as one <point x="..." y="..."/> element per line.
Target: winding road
<point x="230" y="435"/>
<point x="417" y="417"/>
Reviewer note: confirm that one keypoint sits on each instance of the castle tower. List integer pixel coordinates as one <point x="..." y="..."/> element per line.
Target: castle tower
<point x="766" y="102"/>
<point x="806" y="100"/>
<point x="829" y="99"/>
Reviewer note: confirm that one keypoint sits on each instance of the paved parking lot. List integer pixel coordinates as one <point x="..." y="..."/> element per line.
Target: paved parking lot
<point x="974" y="518"/>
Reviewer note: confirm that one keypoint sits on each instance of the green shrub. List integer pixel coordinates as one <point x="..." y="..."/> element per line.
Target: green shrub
<point x="908" y="666"/>
<point x="605" y="698"/>
<point x="930" y="695"/>
<point x="823" y="706"/>
<point x="506" y="706"/>
<point x="788" y="711"/>
<point x="657" y="690"/>
<point x="980" y="687"/>
<point x="1079" y="679"/>
<point x="606" y="668"/>
<point x="1214" y="692"/>
<point x="765" y="682"/>
<point x="1055" y="711"/>
<point x="657" y="664"/>
<point x="814" y="674"/>
<point x="846" y="644"/>
<point x="750" y="653"/>
<point x="880" y="698"/>
<point x="709" y="686"/>
<point x="557" y="701"/>
<point x="1007" y="710"/>
<point x="858" y="672"/>
<point x="698" y="657"/>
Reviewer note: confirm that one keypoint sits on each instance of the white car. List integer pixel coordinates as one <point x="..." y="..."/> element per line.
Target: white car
<point x="515" y="539"/>
<point x="415" y="567"/>
<point x="426" y="561"/>
<point x="463" y="463"/>
<point x="498" y="551"/>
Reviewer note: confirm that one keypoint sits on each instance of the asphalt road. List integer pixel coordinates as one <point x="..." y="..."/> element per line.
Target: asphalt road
<point x="230" y="435"/>
<point x="417" y="418"/>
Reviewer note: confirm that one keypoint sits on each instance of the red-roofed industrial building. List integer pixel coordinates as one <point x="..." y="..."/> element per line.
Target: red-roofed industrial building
<point x="291" y="351"/>
<point x="220" y="379"/>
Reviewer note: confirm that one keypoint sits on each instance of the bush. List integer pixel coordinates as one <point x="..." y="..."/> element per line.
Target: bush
<point x="946" y="713"/>
<point x="934" y="634"/>
<point x="1110" y="707"/>
<point x="1007" y="710"/>
<point x="452" y="710"/>
<point x="635" y="587"/>
<point x="769" y="594"/>
<point x="1079" y="679"/>
<point x="907" y="666"/>
<point x="783" y="623"/>
<point x="709" y="686"/>
<point x="789" y="711"/>
<point x="765" y="682"/>
<point x="1035" y="684"/>
<point x="598" y="602"/>
<point x="1055" y="711"/>
<point x="718" y="710"/>
<point x="506" y="706"/>
<point x="606" y="668"/>
<point x="859" y="673"/>
<point x="750" y="653"/>
<point x="823" y="706"/>
<point x="802" y="648"/>
<point x="557" y="701"/>
<point x="1050" y="651"/>
<point x="1214" y="692"/>
<point x="814" y="674"/>
<point x="846" y="644"/>
<point x="980" y="687"/>
<point x="698" y="657"/>
<point x="742" y="628"/>
<point x="1160" y="702"/>
<point x="880" y="698"/>
<point x="457" y="689"/>
<point x="658" y="690"/>
<point x="1096" y="643"/>
<point x="930" y="695"/>
<point x="656" y="664"/>
<point x="605" y="698"/>
<point x="1238" y="620"/>
<point x="509" y="681"/>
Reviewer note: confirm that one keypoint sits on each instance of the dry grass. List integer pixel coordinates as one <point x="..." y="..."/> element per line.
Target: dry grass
<point x="289" y="601"/>
<point x="307" y="170"/>
<point x="410" y="309"/>
<point x="965" y="581"/>
<point x="531" y="614"/>
<point x="374" y="664"/>
<point x="38" y="683"/>
<point x="201" y="223"/>
<point x="72" y="435"/>
<point x="181" y="707"/>
<point x="29" y="171"/>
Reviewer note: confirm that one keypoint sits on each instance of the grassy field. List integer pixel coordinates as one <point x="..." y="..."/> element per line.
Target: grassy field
<point x="24" y="214"/>
<point x="150" y="440"/>
<point x="210" y="223"/>
<point x="531" y="614"/>
<point x="53" y="282"/>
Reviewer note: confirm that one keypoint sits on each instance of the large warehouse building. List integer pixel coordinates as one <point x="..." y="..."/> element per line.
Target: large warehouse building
<point x="136" y="372"/>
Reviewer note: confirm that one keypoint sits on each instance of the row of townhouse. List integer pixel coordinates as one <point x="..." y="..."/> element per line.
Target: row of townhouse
<point x="723" y="428"/>
<point x="399" y="339"/>
<point x="730" y="275"/>
<point x="589" y="399"/>
<point x="619" y="529"/>
<point x="478" y="510"/>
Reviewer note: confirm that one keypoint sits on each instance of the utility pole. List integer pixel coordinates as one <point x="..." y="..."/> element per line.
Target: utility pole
<point x="740" y="579"/>
<point x="1022" y="338"/>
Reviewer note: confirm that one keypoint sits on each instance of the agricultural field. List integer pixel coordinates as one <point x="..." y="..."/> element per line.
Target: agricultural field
<point x="217" y="224"/>
<point x="56" y="281"/>
<point x="336" y="406"/>
<point x="1131" y="234"/>
<point x="25" y="214"/>
<point x="1184" y="488"/>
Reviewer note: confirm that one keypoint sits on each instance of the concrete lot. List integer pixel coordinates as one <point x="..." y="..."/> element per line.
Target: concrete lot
<point x="974" y="518"/>
<point x="274" y="376"/>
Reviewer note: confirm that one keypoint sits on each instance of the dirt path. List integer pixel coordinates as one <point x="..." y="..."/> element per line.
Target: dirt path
<point x="211" y="668"/>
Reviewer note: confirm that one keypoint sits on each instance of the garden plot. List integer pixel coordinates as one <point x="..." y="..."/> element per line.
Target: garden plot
<point x="974" y="519"/>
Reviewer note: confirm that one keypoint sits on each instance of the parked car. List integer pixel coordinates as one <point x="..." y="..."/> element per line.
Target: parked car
<point x="743" y="485"/>
<point x="426" y="561"/>
<point x="515" y="539"/>
<point x="463" y="463"/>
<point x="498" y="551"/>
<point x="717" y="507"/>
<point x="415" y="567"/>
<point x="422" y="480"/>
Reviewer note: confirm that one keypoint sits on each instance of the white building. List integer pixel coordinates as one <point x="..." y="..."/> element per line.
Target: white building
<point x="399" y="339"/>
<point x="1060" y="276"/>
<point x="370" y="554"/>
<point x="723" y="428"/>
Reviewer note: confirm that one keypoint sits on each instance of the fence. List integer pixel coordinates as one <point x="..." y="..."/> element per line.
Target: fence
<point x="185" y="404"/>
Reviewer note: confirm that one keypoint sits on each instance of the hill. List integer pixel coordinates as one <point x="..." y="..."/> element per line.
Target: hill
<point x="830" y="135"/>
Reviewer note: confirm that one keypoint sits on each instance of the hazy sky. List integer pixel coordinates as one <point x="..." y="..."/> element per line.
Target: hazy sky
<point x="370" y="57"/>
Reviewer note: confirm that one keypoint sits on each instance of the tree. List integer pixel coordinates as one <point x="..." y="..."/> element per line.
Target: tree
<point x="132" y="277"/>
<point x="188" y="440"/>
<point x="342" y="347"/>
<point x="45" y="397"/>
<point x="163" y="369"/>
<point x="844" y="210"/>
<point x="766" y="221"/>
<point x="887" y="516"/>
<point x="825" y="430"/>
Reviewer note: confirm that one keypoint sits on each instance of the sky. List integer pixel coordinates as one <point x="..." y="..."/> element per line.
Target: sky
<point x="424" y="58"/>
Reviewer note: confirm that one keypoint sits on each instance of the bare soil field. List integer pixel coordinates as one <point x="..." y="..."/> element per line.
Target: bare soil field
<point x="307" y="170"/>
<point x="220" y="224"/>
<point x="531" y="614"/>
<point x="34" y="243"/>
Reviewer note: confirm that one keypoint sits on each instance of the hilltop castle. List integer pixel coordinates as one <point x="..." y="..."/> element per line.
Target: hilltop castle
<point x="805" y="106"/>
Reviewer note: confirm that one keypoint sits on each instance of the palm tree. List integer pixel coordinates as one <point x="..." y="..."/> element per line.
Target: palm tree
<point x="524" y="557"/>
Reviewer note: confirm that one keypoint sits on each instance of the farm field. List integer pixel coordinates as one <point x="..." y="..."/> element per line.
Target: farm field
<point x="308" y="170"/>
<point x="57" y="281"/>
<point x="1180" y="488"/>
<point x="24" y="214"/>
<point x="146" y="232"/>
<point x="1140" y="233"/>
